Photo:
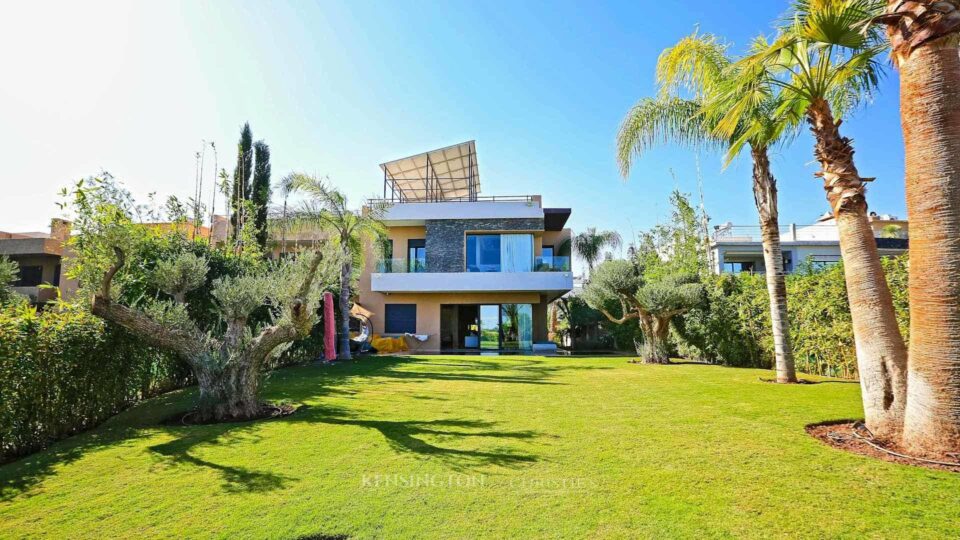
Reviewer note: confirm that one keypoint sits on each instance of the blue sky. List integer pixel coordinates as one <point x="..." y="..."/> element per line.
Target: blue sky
<point x="337" y="88"/>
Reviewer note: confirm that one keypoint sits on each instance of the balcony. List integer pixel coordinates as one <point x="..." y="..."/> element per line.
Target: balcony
<point x="419" y="266"/>
<point x="550" y="275"/>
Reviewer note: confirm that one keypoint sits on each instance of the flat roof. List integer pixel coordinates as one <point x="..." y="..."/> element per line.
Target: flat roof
<point x="444" y="174"/>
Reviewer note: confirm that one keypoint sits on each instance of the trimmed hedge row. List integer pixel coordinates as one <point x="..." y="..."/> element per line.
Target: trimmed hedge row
<point x="64" y="371"/>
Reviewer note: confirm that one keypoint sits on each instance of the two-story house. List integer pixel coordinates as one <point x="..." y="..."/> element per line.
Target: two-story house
<point x="463" y="271"/>
<point x="737" y="248"/>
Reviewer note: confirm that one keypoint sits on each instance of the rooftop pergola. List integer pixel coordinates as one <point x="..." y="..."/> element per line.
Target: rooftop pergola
<point x="445" y="174"/>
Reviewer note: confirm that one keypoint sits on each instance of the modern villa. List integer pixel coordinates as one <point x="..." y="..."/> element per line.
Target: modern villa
<point x="736" y="248"/>
<point x="463" y="272"/>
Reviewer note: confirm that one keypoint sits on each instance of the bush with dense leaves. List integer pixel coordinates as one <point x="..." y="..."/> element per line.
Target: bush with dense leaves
<point x="65" y="370"/>
<point x="732" y="326"/>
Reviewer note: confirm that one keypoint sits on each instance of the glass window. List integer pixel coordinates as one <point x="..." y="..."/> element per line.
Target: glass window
<point x="483" y="253"/>
<point x="490" y="327"/>
<point x="736" y="267"/>
<point x="30" y="276"/>
<point x="517" y="326"/>
<point x="400" y="318"/>
<point x="546" y="259"/>
<point x="416" y="255"/>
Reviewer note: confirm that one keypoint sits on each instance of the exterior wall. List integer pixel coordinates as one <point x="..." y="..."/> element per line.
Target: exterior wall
<point x="428" y="310"/>
<point x="446" y="239"/>
<point x="798" y="254"/>
<point x="414" y="213"/>
<point x="401" y="235"/>
<point x="556" y="283"/>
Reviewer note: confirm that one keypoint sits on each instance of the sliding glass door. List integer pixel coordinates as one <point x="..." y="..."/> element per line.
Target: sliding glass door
<point x="506" y="327"/>
<point x="490" y="327"/>
<point x="516" y="326"/>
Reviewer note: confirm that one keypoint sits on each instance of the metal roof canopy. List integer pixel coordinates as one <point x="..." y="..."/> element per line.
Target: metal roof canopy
<point x="445" y="174"/>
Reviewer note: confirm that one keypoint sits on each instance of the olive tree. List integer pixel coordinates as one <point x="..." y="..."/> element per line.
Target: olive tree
<point x="653" y="301"/>
<point x="228" y="364"/>
<point x="260" y="309"/>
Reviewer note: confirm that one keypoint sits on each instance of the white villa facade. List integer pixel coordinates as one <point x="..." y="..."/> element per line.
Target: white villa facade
<point x="736" y="249"/>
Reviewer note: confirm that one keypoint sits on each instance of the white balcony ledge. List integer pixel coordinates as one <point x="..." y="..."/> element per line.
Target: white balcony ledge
<point x="431" y="282"/>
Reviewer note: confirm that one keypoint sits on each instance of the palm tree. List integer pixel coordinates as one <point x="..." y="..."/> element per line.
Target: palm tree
<point x="589" y="245"/>
<point x="328" y="207"/>
<point x="825" y="67"/>
<point x="699" y="64"/>
<point x="924" y="36"/>
<point x="286" y="187"/>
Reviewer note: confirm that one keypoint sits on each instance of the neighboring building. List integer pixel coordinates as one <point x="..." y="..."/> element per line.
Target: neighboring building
<point x="736" y="249"/>
<point x="40" y="257"/>
<point x="462" y="271"/>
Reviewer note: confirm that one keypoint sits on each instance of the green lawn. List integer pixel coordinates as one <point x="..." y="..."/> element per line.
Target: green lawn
<point x="496" y="447"/>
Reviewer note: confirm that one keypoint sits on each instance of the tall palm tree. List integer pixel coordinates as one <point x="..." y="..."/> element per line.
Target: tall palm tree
<point x="825" y="67"/>
<point x="328" y="207"/>
<point x="286" y="187"/>
<point x="589" y="245"/>
<point x="925" y="35"/>
<point x="700" y="66"/>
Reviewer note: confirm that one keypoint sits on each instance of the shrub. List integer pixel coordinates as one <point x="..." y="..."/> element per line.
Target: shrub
<point x="732" y="326"/>
<point x="63" y="371"/>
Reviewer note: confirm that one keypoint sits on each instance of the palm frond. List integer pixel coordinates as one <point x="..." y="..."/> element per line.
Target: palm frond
<point x="695" y="64"/>
<point x="660" y="121"/>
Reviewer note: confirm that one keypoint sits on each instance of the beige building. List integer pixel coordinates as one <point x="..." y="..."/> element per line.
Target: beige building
<point x="40" y="256"/>
<point x="463" y="272"/>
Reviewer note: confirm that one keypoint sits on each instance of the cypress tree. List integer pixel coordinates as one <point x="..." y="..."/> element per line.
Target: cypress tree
<point x="260" y="193"/>
<point x="241" y="177"/>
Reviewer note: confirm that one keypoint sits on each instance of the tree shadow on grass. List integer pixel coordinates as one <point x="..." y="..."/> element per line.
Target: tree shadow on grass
<point x="18" y="477"/>
<point x="299" y="384"/>
<point x="410" y="436"/>
<point x="235" y="478"/>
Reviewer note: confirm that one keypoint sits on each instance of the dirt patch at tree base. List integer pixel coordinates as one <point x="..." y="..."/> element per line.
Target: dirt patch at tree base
<point x="267" y="411"/>
<point x="852" y="436"/>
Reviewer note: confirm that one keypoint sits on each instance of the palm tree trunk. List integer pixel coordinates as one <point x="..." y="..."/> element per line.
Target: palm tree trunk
<point x="930" y="114"/>
<point x="765" y="196"/>
<point x="881" y="354"/>
<point x="346" y="272"/>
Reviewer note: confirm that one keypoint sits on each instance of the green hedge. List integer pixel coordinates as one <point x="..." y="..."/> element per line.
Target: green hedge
<point x="63" y="371"/>
<point x="733" y="325"/>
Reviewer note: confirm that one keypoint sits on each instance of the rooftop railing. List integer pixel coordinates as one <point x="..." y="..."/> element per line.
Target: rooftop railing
<point x="489" y="198"/>
<point x="795" y="233"/>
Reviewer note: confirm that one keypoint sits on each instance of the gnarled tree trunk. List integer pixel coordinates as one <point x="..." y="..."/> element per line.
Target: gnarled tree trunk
<point x="765" y="197"/>
<point x="881" y="354"/>
<point x="925" y="38"/>
<point x="655" y="348"/>
<point x="228" y="371"/>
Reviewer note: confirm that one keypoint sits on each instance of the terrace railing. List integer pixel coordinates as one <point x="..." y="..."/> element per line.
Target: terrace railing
<point x="407" y="266"/>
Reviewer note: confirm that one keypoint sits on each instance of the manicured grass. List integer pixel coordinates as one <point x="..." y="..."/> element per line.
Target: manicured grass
<point x="500" y="447"/>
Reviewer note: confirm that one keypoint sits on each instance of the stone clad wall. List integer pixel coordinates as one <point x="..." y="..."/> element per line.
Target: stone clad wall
<point x="446" y="238"/>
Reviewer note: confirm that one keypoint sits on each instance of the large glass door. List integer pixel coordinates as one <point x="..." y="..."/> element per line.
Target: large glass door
<point x="517" y="326"/>
<point x="490" y="327"/>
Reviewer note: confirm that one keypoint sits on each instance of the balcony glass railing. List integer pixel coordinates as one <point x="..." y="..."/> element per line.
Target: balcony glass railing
<point x="551" y="264"/>
<point x="410" y="266"/>
<point x="402" y="266"/>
